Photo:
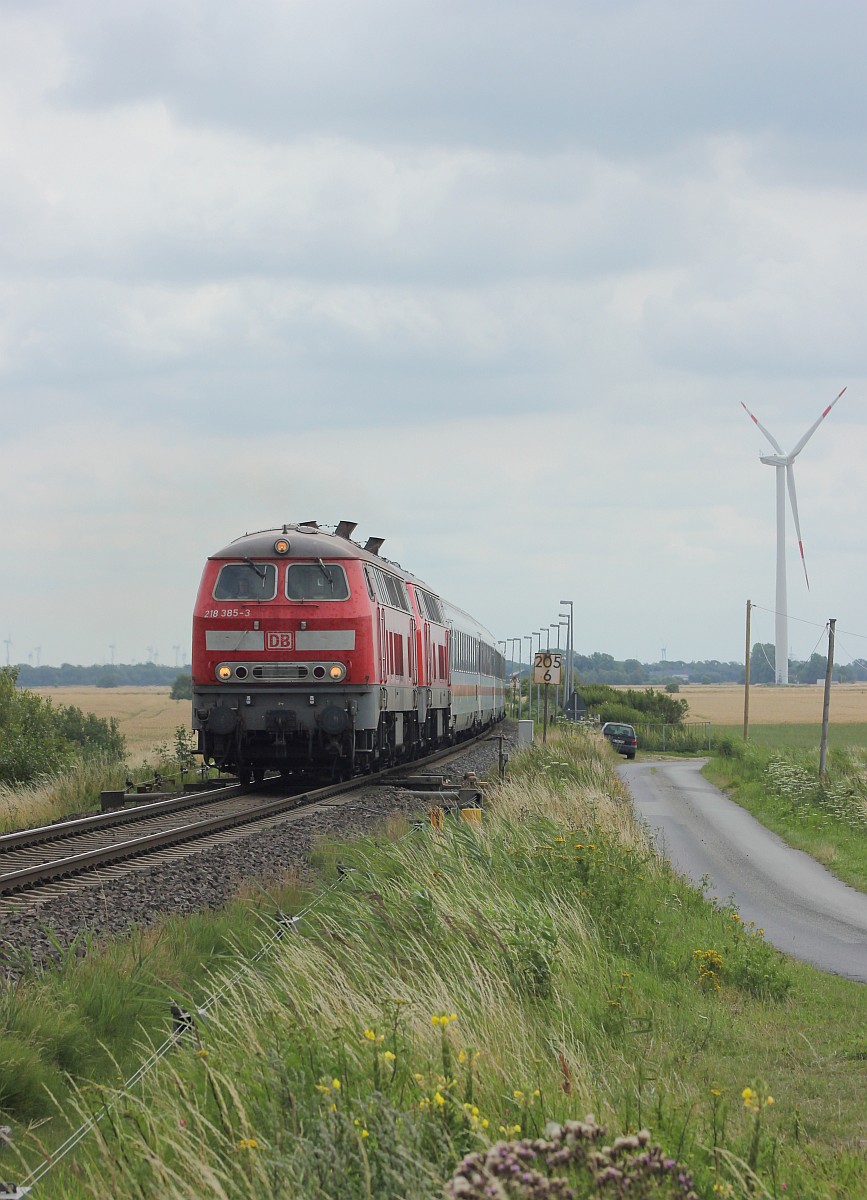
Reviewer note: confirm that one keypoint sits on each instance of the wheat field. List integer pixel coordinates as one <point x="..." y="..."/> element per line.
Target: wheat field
<point x="146" y="716"/>
<point x="723" y="703"/>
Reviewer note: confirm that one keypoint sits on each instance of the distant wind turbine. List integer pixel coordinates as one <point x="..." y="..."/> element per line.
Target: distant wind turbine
<point x="786" y="479"/>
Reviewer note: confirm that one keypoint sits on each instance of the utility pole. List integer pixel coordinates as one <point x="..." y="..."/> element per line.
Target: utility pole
<point x="747" y="678"/>
<point x="823" y="749"/>
<point x="112" y="650"/>
<point x="8" y="644"/>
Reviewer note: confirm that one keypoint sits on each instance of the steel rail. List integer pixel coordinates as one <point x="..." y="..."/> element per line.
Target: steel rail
<point x="134" y="847"/>
<point x="139" y="812"/>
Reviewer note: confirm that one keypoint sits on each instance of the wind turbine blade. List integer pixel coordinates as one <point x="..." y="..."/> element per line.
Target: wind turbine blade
<point x="790" y="481"/>
<point x="802" y="443"/>
<point x="769" y="436"/>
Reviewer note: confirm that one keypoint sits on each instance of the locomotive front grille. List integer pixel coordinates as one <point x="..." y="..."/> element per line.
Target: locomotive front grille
<point x="280" y="672"/>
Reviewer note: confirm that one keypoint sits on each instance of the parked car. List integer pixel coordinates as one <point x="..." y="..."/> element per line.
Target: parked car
<point x="622" y="737"/>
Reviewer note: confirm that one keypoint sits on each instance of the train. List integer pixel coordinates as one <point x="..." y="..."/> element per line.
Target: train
<point x="314" y="654"/>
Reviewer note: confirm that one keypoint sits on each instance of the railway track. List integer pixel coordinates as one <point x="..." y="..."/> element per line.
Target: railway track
<point x="36" y="859"/>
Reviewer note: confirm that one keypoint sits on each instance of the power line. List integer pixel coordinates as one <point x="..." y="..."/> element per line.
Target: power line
<point x="815" y="624"/>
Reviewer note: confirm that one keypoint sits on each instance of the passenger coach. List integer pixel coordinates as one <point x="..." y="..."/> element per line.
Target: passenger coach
<point x="313" y="652"/>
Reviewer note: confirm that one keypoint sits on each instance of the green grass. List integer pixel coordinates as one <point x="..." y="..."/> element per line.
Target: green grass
<point x="780" y="787"/>
<point x="443" y="991"/>
<point x="797" y="737"/>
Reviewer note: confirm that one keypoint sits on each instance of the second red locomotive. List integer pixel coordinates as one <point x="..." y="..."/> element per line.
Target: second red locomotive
<point x="311" y="652"/>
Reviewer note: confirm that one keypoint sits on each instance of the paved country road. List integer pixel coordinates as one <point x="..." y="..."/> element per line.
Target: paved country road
<point x="802" y="908"/>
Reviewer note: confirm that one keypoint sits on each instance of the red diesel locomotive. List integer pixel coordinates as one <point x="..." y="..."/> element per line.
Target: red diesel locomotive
<point x="311" y="652"/>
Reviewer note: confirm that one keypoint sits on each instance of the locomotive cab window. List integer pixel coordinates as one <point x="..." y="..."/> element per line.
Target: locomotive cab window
<point x="316" y="581"/>
<point x="246" y="581"/>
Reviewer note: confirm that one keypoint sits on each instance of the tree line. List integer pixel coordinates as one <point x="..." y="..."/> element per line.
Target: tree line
<point x="604" y="668"/>
<point x="105" y="675"/>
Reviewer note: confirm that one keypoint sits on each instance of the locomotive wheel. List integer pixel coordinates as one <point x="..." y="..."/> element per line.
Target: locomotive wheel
<point x="258" y="774"/>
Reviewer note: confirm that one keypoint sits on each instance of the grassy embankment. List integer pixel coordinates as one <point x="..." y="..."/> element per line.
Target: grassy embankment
<point x="444" y="992"/>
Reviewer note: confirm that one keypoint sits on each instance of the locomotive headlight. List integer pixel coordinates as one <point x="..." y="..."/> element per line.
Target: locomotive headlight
<point x="281" y="546"/>
<point x="337" y="672"/>
<point x="224" y="673"/>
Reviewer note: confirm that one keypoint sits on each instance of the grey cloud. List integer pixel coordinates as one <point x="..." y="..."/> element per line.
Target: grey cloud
<point x="625" y="77"/>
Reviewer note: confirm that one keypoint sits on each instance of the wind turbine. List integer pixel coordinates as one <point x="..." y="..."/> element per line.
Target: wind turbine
<point x="786" y="479"/>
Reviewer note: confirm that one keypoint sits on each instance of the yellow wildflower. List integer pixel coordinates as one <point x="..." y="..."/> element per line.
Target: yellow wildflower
<point x="389" y="1056"/>
<point x="335" y="1083"/>
<point x="439" y="1100"/>
<point x="248" y="1144"/>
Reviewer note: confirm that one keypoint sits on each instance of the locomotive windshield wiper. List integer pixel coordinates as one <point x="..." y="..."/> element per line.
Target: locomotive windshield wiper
<point x="260" y="571"/>
<point x="324" y="571"/>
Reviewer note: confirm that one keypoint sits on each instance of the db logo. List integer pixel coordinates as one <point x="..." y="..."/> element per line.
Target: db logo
<point x="278" y="641"/>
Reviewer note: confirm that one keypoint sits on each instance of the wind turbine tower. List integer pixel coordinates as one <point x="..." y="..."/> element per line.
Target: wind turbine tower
<point x="786" y="479"/>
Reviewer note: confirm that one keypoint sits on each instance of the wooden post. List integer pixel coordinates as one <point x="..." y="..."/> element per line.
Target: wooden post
<point x="826" y="707"/>
<point x="747" y="679"/>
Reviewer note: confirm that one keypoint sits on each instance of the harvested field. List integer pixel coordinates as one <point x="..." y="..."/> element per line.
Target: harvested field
<point x="723" y="704"/>
<point x="146" y="716"/>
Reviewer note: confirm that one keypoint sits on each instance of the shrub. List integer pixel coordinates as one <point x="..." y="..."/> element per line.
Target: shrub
<point x="37" y="739"/>
<point x="182" y="688"/>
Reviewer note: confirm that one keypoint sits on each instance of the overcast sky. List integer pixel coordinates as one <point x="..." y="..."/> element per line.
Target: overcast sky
<point x="490" y="278"/>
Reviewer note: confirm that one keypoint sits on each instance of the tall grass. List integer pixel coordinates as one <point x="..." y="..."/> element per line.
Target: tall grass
<point x="447" y="991"/>
<point x="72" y="790"/>
<point x="76" y="788"/>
